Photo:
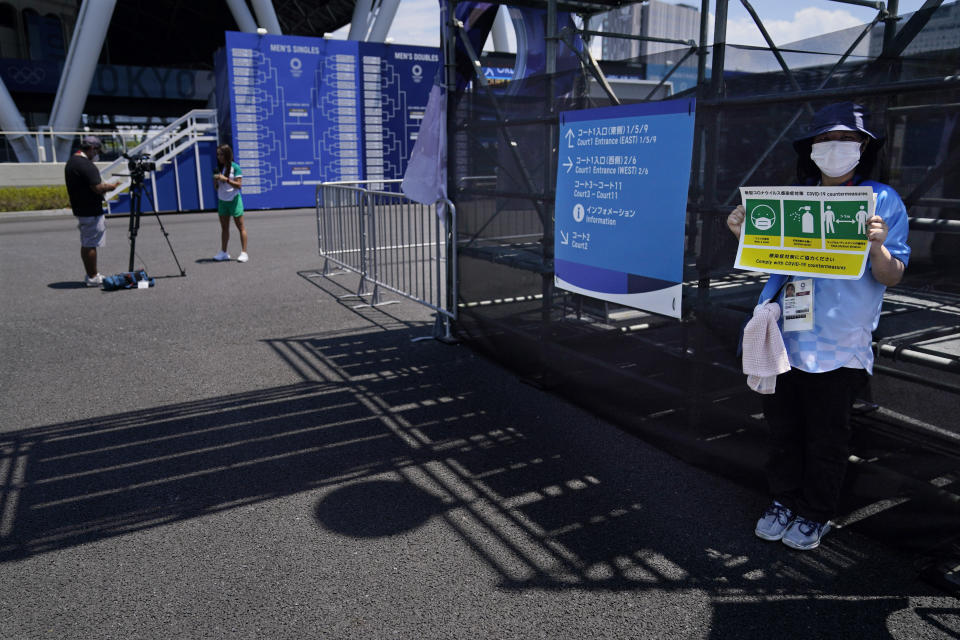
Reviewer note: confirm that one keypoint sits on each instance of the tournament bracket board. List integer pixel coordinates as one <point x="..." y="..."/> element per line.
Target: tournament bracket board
<point x="309" y="110"/>
<point x="806" y="231"/>
<point x="622" y="179"/>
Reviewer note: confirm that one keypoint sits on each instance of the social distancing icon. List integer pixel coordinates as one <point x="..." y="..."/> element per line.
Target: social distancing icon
<point x="829" y="218"/>
<point x="845" y="225"/>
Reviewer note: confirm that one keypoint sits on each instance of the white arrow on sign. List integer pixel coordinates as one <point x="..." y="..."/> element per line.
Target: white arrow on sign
<point x="565" y="237"/>
<point x="568" y="164"/>
<point x="570" y="137"/>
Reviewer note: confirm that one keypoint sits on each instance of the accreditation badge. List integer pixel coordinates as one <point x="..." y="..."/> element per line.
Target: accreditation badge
<point x="798" y="305"/>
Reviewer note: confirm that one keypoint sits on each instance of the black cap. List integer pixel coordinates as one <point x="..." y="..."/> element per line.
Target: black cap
<point x="90" y="142"/>
<point x="840" y="116"/>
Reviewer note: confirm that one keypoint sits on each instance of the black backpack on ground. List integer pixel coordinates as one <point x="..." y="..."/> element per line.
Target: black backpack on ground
<point x="126" y="280"/>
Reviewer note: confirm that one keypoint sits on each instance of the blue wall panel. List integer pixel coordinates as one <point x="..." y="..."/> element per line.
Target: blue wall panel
<point x="164" y="187"/>
<point x="121" y="204"/>
<point x="183" y="170"/>
<point x="208" y="166"/>
<point x="187" y="172"/>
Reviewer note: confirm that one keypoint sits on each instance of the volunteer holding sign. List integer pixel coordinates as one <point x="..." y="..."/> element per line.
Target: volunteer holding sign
<point x="828" y="337"/>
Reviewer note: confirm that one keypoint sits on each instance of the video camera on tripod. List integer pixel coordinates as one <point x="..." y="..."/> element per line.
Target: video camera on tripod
<point x="140" y="165"/>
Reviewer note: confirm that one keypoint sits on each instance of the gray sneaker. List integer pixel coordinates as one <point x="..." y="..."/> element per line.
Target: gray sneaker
<point x="803" y="534"/>
<point x="774" y="522"/>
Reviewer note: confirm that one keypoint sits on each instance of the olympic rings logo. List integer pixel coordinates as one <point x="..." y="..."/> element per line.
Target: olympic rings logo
<point x="27" y="75"/>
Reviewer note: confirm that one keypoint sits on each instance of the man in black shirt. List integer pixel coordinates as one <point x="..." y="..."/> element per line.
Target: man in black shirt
<point x="86" y="190"/>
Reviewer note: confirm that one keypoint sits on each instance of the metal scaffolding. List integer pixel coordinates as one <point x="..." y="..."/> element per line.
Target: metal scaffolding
<point x="636" y="367"/>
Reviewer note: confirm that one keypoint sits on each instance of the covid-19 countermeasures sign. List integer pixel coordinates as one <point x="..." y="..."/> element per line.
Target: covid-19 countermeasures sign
<point x="806" y="231"/>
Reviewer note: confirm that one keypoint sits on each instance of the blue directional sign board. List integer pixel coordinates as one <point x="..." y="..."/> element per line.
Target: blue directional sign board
<point x="309" y="110"/>
<point x="622" y="179"/>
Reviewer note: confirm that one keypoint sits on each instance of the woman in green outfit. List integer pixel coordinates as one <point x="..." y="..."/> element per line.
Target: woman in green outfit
<point x="228" y="180"/>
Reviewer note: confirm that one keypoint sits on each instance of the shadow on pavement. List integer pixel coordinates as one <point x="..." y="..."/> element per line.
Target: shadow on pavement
<point x="377" y="508"/>
<point x="394" y="435"/>
<point x="69" y="284"/>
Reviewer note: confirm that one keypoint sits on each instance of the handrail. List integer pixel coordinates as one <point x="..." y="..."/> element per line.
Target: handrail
<point x="84" y="132"/>
<point x="375" y="181"/>
<point x="43" y="134"/>
<point x="166" y="143"/>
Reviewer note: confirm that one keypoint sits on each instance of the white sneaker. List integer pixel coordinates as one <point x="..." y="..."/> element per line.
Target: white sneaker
<point x="243" y="257"/>
<point x="95" y="281"/>
<point x="220" y="257"/>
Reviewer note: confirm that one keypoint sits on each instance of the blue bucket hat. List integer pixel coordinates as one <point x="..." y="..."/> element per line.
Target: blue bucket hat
<point x="840" y="116"/>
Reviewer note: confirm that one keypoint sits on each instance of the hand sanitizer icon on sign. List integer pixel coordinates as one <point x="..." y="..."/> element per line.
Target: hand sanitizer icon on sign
<point x="806" y="220"/>
<point x="763" y="217"/>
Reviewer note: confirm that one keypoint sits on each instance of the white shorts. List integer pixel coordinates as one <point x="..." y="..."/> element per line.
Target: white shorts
<point x="93" y="231"/>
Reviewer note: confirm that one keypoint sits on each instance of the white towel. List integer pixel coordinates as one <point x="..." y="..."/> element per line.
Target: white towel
<point x="764" y="356"/>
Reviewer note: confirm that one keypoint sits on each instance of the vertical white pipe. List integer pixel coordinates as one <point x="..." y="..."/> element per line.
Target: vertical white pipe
<point x="242" y="16"/>
<point x="383" y="21"/>
<point x="360" y="23"/>
<point x="499" y="31"/>
<point x="266" y="16"/>
<point x="78" y="69"/>
<point x="11" y="120"/>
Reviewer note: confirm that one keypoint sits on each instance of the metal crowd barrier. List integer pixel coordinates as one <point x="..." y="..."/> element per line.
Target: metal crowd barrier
<point x="392" y="243"/>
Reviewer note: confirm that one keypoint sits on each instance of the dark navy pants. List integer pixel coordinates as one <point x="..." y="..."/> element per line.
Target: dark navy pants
<point x="809" y="420"/>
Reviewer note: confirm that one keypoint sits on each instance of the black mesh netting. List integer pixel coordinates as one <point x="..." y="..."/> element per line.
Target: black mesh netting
<point x="678" y="383"/>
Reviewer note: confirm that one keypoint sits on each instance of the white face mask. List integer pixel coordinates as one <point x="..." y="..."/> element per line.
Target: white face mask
<point x="836" y="158"/>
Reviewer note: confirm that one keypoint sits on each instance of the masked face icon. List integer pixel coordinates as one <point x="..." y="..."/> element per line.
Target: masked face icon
<point x="763" y="217"/>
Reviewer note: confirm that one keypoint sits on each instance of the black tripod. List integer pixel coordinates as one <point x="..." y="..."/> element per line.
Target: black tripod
<point x="137" y="188"/>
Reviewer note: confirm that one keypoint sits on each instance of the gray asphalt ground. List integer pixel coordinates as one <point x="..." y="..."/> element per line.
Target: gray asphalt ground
<point x="240" y="453"/>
